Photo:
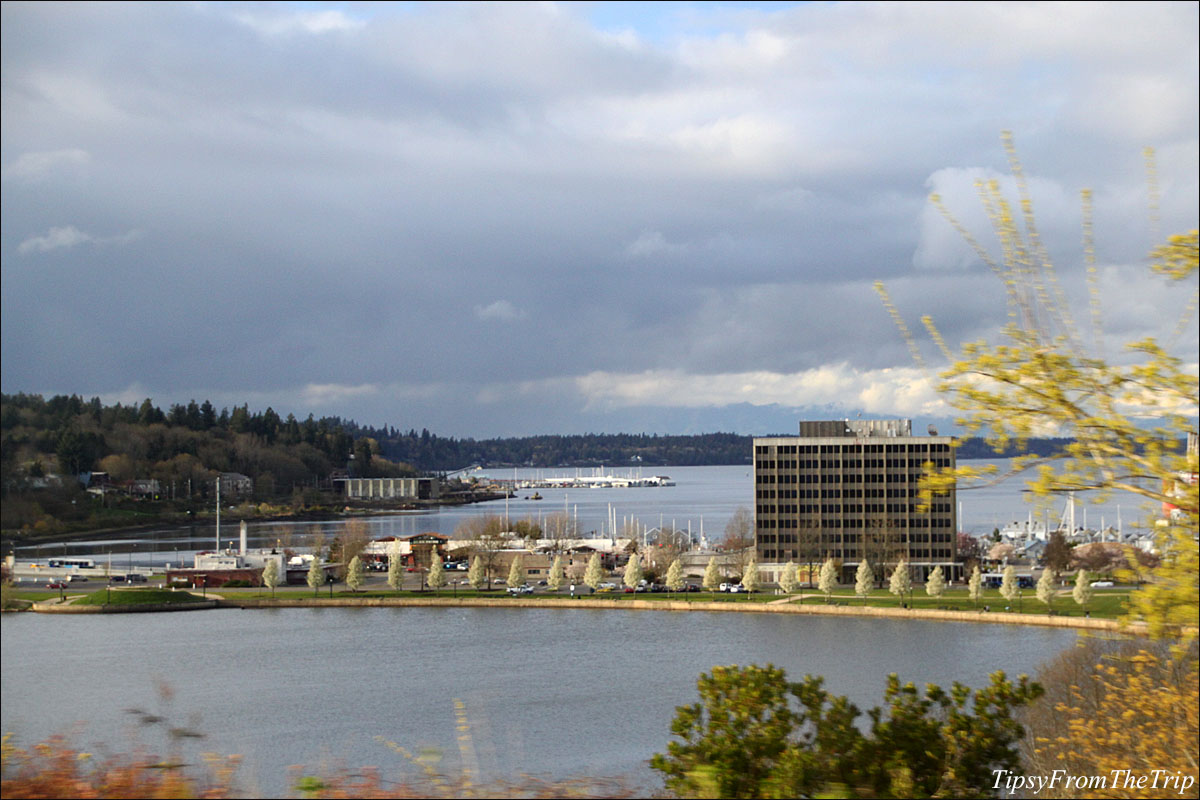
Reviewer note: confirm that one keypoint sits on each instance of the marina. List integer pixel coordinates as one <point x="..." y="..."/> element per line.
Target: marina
<point x="599" y="479"/>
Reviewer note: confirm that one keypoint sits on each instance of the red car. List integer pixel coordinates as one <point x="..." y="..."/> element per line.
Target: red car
<point x="56" y="585"/>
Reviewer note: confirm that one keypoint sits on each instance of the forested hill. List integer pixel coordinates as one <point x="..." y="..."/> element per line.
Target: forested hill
<point x="429" y="451"/>
<point x="72" y="435"/>
<point x="592" y="449"/>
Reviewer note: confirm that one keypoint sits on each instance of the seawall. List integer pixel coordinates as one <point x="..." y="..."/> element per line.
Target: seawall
<point x="1000" y="618"/>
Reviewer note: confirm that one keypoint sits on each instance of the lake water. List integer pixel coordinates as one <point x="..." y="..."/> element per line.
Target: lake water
<point x="546" y="691"/>
<point x="554" y="692"/>
<point x="702" y="501"/>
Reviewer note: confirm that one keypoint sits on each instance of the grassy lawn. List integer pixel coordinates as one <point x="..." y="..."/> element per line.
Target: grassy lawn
<point x="37" y="595"/>
<point x="1106" y="604"/>
<point x="134" y="597"/>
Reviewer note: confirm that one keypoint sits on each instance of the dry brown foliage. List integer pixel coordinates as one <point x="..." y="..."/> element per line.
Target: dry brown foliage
<point x="54" y="769"/>
<point x="1116" y="705"/>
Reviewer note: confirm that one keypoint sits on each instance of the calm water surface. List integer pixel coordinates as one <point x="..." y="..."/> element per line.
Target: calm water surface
<point x="555" y="692"/>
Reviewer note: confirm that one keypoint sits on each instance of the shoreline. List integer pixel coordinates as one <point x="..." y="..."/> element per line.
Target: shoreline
<point x="59" y="607"/>
<point x="206" y="520"/>
<point x="1001" y="618"/>
<point x="67" y="606"/>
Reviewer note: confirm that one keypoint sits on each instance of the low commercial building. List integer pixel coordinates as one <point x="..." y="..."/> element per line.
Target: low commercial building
<point x="415" y="551"/>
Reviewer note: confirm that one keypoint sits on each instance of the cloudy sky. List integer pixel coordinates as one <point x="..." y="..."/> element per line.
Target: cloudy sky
<point x="497" y="220"/>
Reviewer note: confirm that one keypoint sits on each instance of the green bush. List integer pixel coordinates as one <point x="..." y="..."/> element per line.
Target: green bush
<point x="745" y="739"/>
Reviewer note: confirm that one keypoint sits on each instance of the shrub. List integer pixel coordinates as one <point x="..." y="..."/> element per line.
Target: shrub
<point x="745" y="739"/>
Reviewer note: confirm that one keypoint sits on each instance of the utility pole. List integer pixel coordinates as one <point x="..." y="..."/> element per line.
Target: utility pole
<point x="217" y="549"/>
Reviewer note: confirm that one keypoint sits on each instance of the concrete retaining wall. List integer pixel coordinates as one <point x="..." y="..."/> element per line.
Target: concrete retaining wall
<point x="1001" y="618"/>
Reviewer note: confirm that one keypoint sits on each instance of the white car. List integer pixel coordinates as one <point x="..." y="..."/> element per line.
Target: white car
<point x="1101" y="584"/>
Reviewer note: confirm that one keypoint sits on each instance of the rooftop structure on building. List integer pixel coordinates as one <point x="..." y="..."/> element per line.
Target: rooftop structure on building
<point x="848" y="490"/>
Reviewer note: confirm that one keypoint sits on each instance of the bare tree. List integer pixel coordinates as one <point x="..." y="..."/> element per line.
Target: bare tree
<point x="350" y="543"/>
<point x="882" y="545"/>
<point x="667" y="546"/>
<point x="739" y="540"/>
<point x="487" y="539"/>
<point x="561" y="532"/>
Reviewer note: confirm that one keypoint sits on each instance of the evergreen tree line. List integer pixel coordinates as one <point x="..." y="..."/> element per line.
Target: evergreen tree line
<point x="182" y="447"/>
<point x="74" y="435"/>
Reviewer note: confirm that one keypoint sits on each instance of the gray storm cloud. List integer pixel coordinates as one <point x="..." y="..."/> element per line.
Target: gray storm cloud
<point x="501" y="219"/>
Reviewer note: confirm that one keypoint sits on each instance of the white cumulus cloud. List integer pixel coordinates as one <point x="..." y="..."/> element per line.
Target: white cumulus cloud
<point x="70" y="236"/>
<point x="323" y="394"/>
<point x="37" y="164"/>
<point x="880" y="391"/>
<point x="500" y="311"/>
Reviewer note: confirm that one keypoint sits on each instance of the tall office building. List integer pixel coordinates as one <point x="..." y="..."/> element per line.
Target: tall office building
<point x="848" y="490"/>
